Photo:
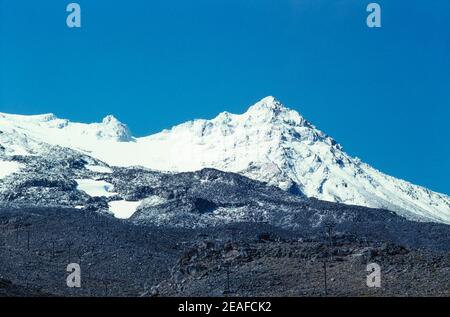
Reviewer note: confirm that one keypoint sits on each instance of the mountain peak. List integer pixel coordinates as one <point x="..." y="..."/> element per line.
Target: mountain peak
<point x="114" y="129"/>
<point x="267" y="104"/>
<point x="110" y="119"/>
<point x="269" y="100"/>
<point x="271" y="110"/>
<point x="270" y="143"/>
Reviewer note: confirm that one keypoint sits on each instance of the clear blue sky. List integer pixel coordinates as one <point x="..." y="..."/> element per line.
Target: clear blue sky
<point x="383" y="93"/>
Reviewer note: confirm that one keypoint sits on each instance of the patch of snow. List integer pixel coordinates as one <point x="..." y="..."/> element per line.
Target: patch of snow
<point x="123" y="209"/>
<point x="8" y="167"/>
<point x="95" y="188"/>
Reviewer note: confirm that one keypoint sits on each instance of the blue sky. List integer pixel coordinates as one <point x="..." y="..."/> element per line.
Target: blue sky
<point x="382" y="93"/>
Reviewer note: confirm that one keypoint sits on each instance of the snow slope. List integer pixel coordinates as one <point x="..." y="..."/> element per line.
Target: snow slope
<point x="7" y="168"/>
<point x="123" y="209"/>
<point x="269" y="142"/>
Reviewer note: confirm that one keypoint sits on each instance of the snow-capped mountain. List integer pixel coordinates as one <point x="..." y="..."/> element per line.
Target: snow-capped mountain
<point x="269" y="143"/>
